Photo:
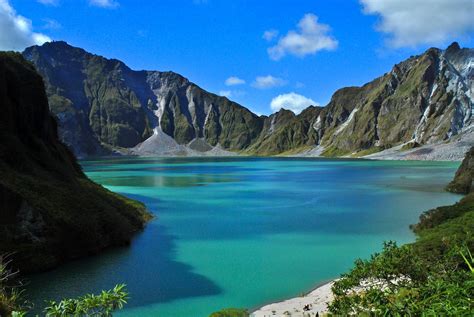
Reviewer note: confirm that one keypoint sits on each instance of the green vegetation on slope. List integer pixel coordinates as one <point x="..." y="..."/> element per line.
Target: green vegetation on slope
<point x="433" y="276"/>
<point x="104" y="105"/>
<point x="285" y="133"/>
<point x="51" y="211"/>
<point x="429" y="277"/>
<point x="12" y="303"/>
<point x="462" y="182"/>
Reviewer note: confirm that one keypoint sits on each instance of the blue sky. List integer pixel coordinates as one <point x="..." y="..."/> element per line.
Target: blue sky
<point x="293" y="52"/>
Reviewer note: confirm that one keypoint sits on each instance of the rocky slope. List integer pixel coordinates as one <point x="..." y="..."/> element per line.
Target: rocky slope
<point x="462" y="182"/>
<point x="102" y="104"/>
<point x="50" y="211"/>
<point x="426" y="99"/>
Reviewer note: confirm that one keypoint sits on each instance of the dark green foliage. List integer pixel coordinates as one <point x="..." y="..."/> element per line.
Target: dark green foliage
<point x="437" y="216"/>
<point x="95" y="99"/>
<point x="429" y="277"/>
<point x="212" y="128"/>
<point x="101" y="103"/>
<point x="233" y="126"/>
<point x="183" y="129"/>
<point x="51" y="211"/>
<point x="101" y="305"/>
<point x="230" y="312"/>
<point x="11" y="299"/>
<point x="462" y="182"/>
<point x="433" y="276"/>
<point x="283" y="132"/>
<point x="12" y="303"/>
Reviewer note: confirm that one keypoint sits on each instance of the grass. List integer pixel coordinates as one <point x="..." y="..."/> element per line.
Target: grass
<point x="369" y="151"/>
<point x="332" y="151"/>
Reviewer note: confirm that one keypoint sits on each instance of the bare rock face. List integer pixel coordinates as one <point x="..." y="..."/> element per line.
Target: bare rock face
<point x="425" y="99"/>
<point x="103" y="105"/>
<point x="462" y="182"/>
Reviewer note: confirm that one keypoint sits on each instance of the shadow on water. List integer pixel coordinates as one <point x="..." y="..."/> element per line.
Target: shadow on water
<point x="239" y="201"/>
<point x="148" y="267"/>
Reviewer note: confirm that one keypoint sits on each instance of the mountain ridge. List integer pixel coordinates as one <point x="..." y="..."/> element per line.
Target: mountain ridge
<point x="125" y="106"/>
<point x="426" y="99"/>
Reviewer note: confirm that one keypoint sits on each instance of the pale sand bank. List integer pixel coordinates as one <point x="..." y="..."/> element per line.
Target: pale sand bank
<point x="318" y="299"/>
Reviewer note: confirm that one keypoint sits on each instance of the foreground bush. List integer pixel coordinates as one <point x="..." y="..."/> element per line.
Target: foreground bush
<point x="90" y="305"/>
<point x="433" y="276"/>
<point x="12" y="302"/>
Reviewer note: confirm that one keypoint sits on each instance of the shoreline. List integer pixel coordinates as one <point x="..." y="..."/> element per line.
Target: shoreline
<point x="318" y="297"/>
<point x="161" y="145"/>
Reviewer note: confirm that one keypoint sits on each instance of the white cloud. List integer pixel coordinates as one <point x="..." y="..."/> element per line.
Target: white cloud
<point x="51" y="24"/>
<point x="225" y="93"/>
<point x="270" y="35"/>
<point x="49" y="2"/>
<point x="265" y="82"/>
<point x="16" y="31"/>
<point x="233" y="81"/>
<point x="292" y="101"/>
<point x="104" y="3"/>
<point x="232" y="93"/>
<point x="409" y="23"/>
<point x="310" y="38"/>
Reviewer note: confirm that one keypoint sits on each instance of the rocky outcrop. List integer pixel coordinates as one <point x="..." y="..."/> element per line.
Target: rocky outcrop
<point x="462" y="182"/>
<point x="50" y="211"/>
<point x="424" y="100"/>
<point x="285" y="132"/>
<point x="103" y="105"/>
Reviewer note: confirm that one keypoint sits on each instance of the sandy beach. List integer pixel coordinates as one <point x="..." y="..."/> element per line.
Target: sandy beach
<point x="317" y="299"/>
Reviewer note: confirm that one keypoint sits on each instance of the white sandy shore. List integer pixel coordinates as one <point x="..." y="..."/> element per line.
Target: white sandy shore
<point x="318" y="299"/>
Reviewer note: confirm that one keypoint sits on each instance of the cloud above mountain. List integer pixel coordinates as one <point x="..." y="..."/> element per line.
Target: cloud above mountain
<point x="234" y="81"/>
<point x="270" y="35"/>
<point x="16" y="31"/>
<point x="110" y="4"/>
<point x="49" y="2"/>
<point x="291" y="101"/>
<point x="266" y="82"/>
<point x="309" y="38"/>
<point x="409" y="23"/>
<point x="225" y="93"/>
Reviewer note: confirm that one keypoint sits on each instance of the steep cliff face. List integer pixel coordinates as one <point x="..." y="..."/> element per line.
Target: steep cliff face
<point x="101" y="104"/>
<point x="462" y="182"/>
<point x="92" y="97"/>
<point x="50" y="211"/>
<point x="285" y="132"/>
<point x="426" y="99"/>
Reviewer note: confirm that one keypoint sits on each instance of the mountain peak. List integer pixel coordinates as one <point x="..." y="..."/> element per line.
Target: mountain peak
<point x="454" y="47"/>
<point x="58" y="45"/>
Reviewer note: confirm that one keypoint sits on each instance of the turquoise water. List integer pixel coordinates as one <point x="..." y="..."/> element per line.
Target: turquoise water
<point x="242" y="232"/>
